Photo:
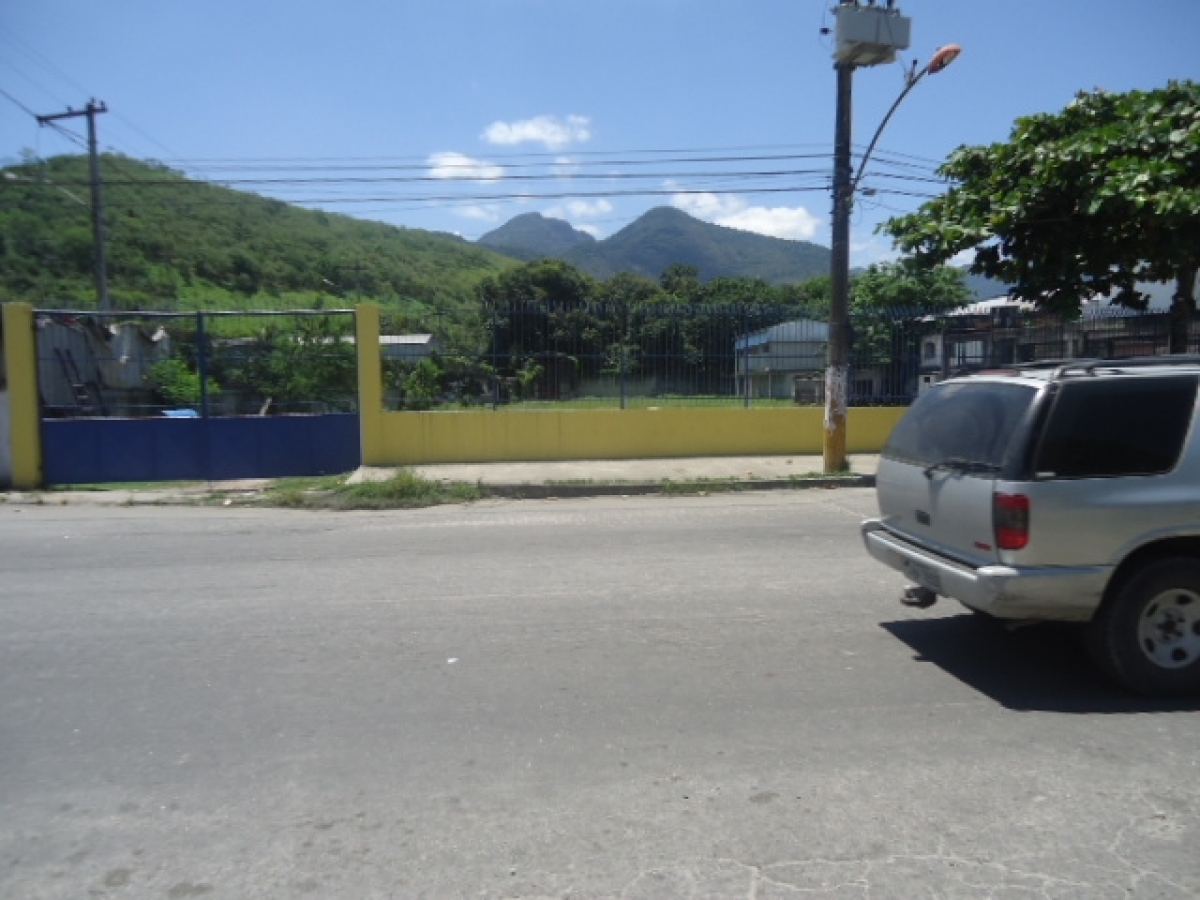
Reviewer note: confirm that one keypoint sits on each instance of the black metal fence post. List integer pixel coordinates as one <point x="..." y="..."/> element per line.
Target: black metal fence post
<point x="202" y="364"/>
<point x="494" y="326"/>
<point x="746" y="355"/>
<point x="624" y="350"/>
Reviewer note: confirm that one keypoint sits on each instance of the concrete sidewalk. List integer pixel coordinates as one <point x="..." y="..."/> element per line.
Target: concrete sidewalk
<point x="531" y="480"/>
<point x="596" y="477"/>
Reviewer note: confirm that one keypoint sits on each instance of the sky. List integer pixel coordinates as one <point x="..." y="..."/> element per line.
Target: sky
<point x="457" y="115"/>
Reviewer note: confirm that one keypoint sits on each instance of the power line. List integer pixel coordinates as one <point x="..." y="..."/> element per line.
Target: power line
<point x="18" y="103"/>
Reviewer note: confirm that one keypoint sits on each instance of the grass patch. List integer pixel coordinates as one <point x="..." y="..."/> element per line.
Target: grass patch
<point x="700" y="486"/>
<point x="404" y="490"/>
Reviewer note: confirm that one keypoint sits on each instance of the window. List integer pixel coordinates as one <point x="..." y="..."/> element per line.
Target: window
<point x="1120" y="426"/>
<point x="970" y="420"/>
<point x="930" y="350"/>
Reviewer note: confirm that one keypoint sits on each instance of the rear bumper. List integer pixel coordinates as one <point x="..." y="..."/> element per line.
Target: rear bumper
<point x="1051" y="593"/>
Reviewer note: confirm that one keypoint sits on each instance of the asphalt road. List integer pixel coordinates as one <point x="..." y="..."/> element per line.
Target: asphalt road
<point x="639" y="698"/>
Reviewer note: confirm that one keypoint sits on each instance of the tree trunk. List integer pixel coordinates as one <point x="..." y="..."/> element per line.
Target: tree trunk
<point x="1183" y="309"/>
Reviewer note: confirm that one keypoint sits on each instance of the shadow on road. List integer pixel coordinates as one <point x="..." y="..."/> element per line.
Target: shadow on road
<point x="1038" y="668"/>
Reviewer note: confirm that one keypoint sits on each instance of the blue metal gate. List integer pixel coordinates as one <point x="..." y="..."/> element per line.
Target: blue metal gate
<point x="196" y="396"/>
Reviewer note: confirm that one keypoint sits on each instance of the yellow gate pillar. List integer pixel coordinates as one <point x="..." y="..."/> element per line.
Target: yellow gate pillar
<point x="20" y="354"/>
<point x="370" y="383"/>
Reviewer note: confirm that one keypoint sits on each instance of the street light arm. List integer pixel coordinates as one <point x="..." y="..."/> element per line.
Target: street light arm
<point x="942" y="58"/>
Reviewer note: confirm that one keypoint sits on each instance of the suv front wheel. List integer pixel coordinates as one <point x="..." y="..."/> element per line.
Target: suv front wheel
<point x="1147" y="635"/>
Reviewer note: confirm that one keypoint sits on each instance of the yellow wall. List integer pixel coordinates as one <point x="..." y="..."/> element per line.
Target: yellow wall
<point x="486" y="436"/>
<point x="410" y="438"/>
<point x="20" y="355"/>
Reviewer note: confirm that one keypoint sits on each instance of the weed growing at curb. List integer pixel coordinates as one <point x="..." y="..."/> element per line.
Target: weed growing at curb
<point x="700" y="486"/>
<point x="404" y="490"/>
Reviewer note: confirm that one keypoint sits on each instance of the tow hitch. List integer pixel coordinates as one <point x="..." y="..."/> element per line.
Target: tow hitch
<point x="919" y="597"/>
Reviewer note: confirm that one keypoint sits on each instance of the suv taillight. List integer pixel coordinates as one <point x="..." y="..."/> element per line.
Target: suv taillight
<point x="1010" y="513"/>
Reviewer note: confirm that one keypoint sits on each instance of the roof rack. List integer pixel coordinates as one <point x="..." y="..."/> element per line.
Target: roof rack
<point x="1089" y="366"/>
<point x="1048" y="363"/>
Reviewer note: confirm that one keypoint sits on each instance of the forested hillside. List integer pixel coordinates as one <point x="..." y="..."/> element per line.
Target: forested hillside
<point x="174" y="243"/>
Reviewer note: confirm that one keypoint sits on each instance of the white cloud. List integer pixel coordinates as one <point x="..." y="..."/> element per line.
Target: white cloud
<point x="793" y="223"/>
<point x="574" y="210"/>
<point x="459" y="165"/>
<point x="867" y="250"/>
<point x="564" y="166"/>
<point x="589" y="209"/>
<point x="479" y="213"/>
<point x="554" y="133"/>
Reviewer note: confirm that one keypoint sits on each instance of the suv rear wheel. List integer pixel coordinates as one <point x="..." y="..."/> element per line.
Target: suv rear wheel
<point x="1147" y="635"/>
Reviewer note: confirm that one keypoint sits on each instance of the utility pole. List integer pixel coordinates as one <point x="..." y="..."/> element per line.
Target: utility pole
<point x="101" y="268"/>
<point x="837" y="375"/>
<point x="866" y="36"/>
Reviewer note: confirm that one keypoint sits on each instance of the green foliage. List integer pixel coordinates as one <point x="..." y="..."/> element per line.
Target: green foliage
<point x="909" y="286"/>
<point x="884" y="301"/>
<point x="295" y="363"/>
<point x="423" y="385"/>
<point x="573" y="327"/>
<point x="174" y="243"/>
<point x="1095" y="198"/>
<point x="404" y="490"/>
<point x="176" y="384"/>
<point x="526" y="377"/>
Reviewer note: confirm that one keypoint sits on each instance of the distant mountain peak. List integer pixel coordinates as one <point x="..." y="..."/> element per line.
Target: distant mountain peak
<point x="662" y="237"/>
<point x="534" y="236"/>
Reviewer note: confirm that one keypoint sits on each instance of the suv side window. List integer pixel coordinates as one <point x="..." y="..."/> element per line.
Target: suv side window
<point x="1117" y="426"/>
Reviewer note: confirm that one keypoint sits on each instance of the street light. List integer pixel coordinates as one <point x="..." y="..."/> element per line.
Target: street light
<point x="941" y="58"/>
<point x="866" y="36"/>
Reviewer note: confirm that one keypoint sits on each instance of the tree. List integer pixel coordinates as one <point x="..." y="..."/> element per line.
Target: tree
<point x="1090" y="200"/>
<point x="907" y="286"/>
<point x="888" y="303"/>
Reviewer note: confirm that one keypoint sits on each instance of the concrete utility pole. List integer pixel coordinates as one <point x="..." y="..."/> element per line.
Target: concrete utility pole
<point x="865" y="36"/>
<point x="101" y="268"/>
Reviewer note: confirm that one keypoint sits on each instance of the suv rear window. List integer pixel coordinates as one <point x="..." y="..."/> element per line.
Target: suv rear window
<point x="1117" y="426"/>
<point x="967" y="420"/>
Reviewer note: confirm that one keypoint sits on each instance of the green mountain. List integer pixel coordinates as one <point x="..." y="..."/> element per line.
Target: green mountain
<point x="533" y="236"/>
<point x="175" y="243"/>
<point x="665" y="236"/>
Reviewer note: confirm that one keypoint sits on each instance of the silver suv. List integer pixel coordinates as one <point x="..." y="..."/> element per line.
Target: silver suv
<point x="1058" y="492"/>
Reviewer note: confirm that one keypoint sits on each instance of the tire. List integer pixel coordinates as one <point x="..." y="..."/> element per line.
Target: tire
<point x="1146" y="636"/>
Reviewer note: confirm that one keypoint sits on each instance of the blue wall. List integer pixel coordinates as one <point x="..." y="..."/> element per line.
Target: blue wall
<point x="85" y="451"/>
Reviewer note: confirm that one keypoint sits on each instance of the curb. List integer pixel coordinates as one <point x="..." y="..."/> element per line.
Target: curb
<point x="670" y="488"/>
<point x="547" y="491"/>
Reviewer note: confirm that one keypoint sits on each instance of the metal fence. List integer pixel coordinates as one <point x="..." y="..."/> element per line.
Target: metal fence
<point x="544" y="355"/>
<point x="596" y="355"/>
<point x="138" y="364"/>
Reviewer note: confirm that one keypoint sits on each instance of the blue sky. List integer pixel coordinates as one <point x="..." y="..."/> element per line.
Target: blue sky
<point x="457" y="115"/>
